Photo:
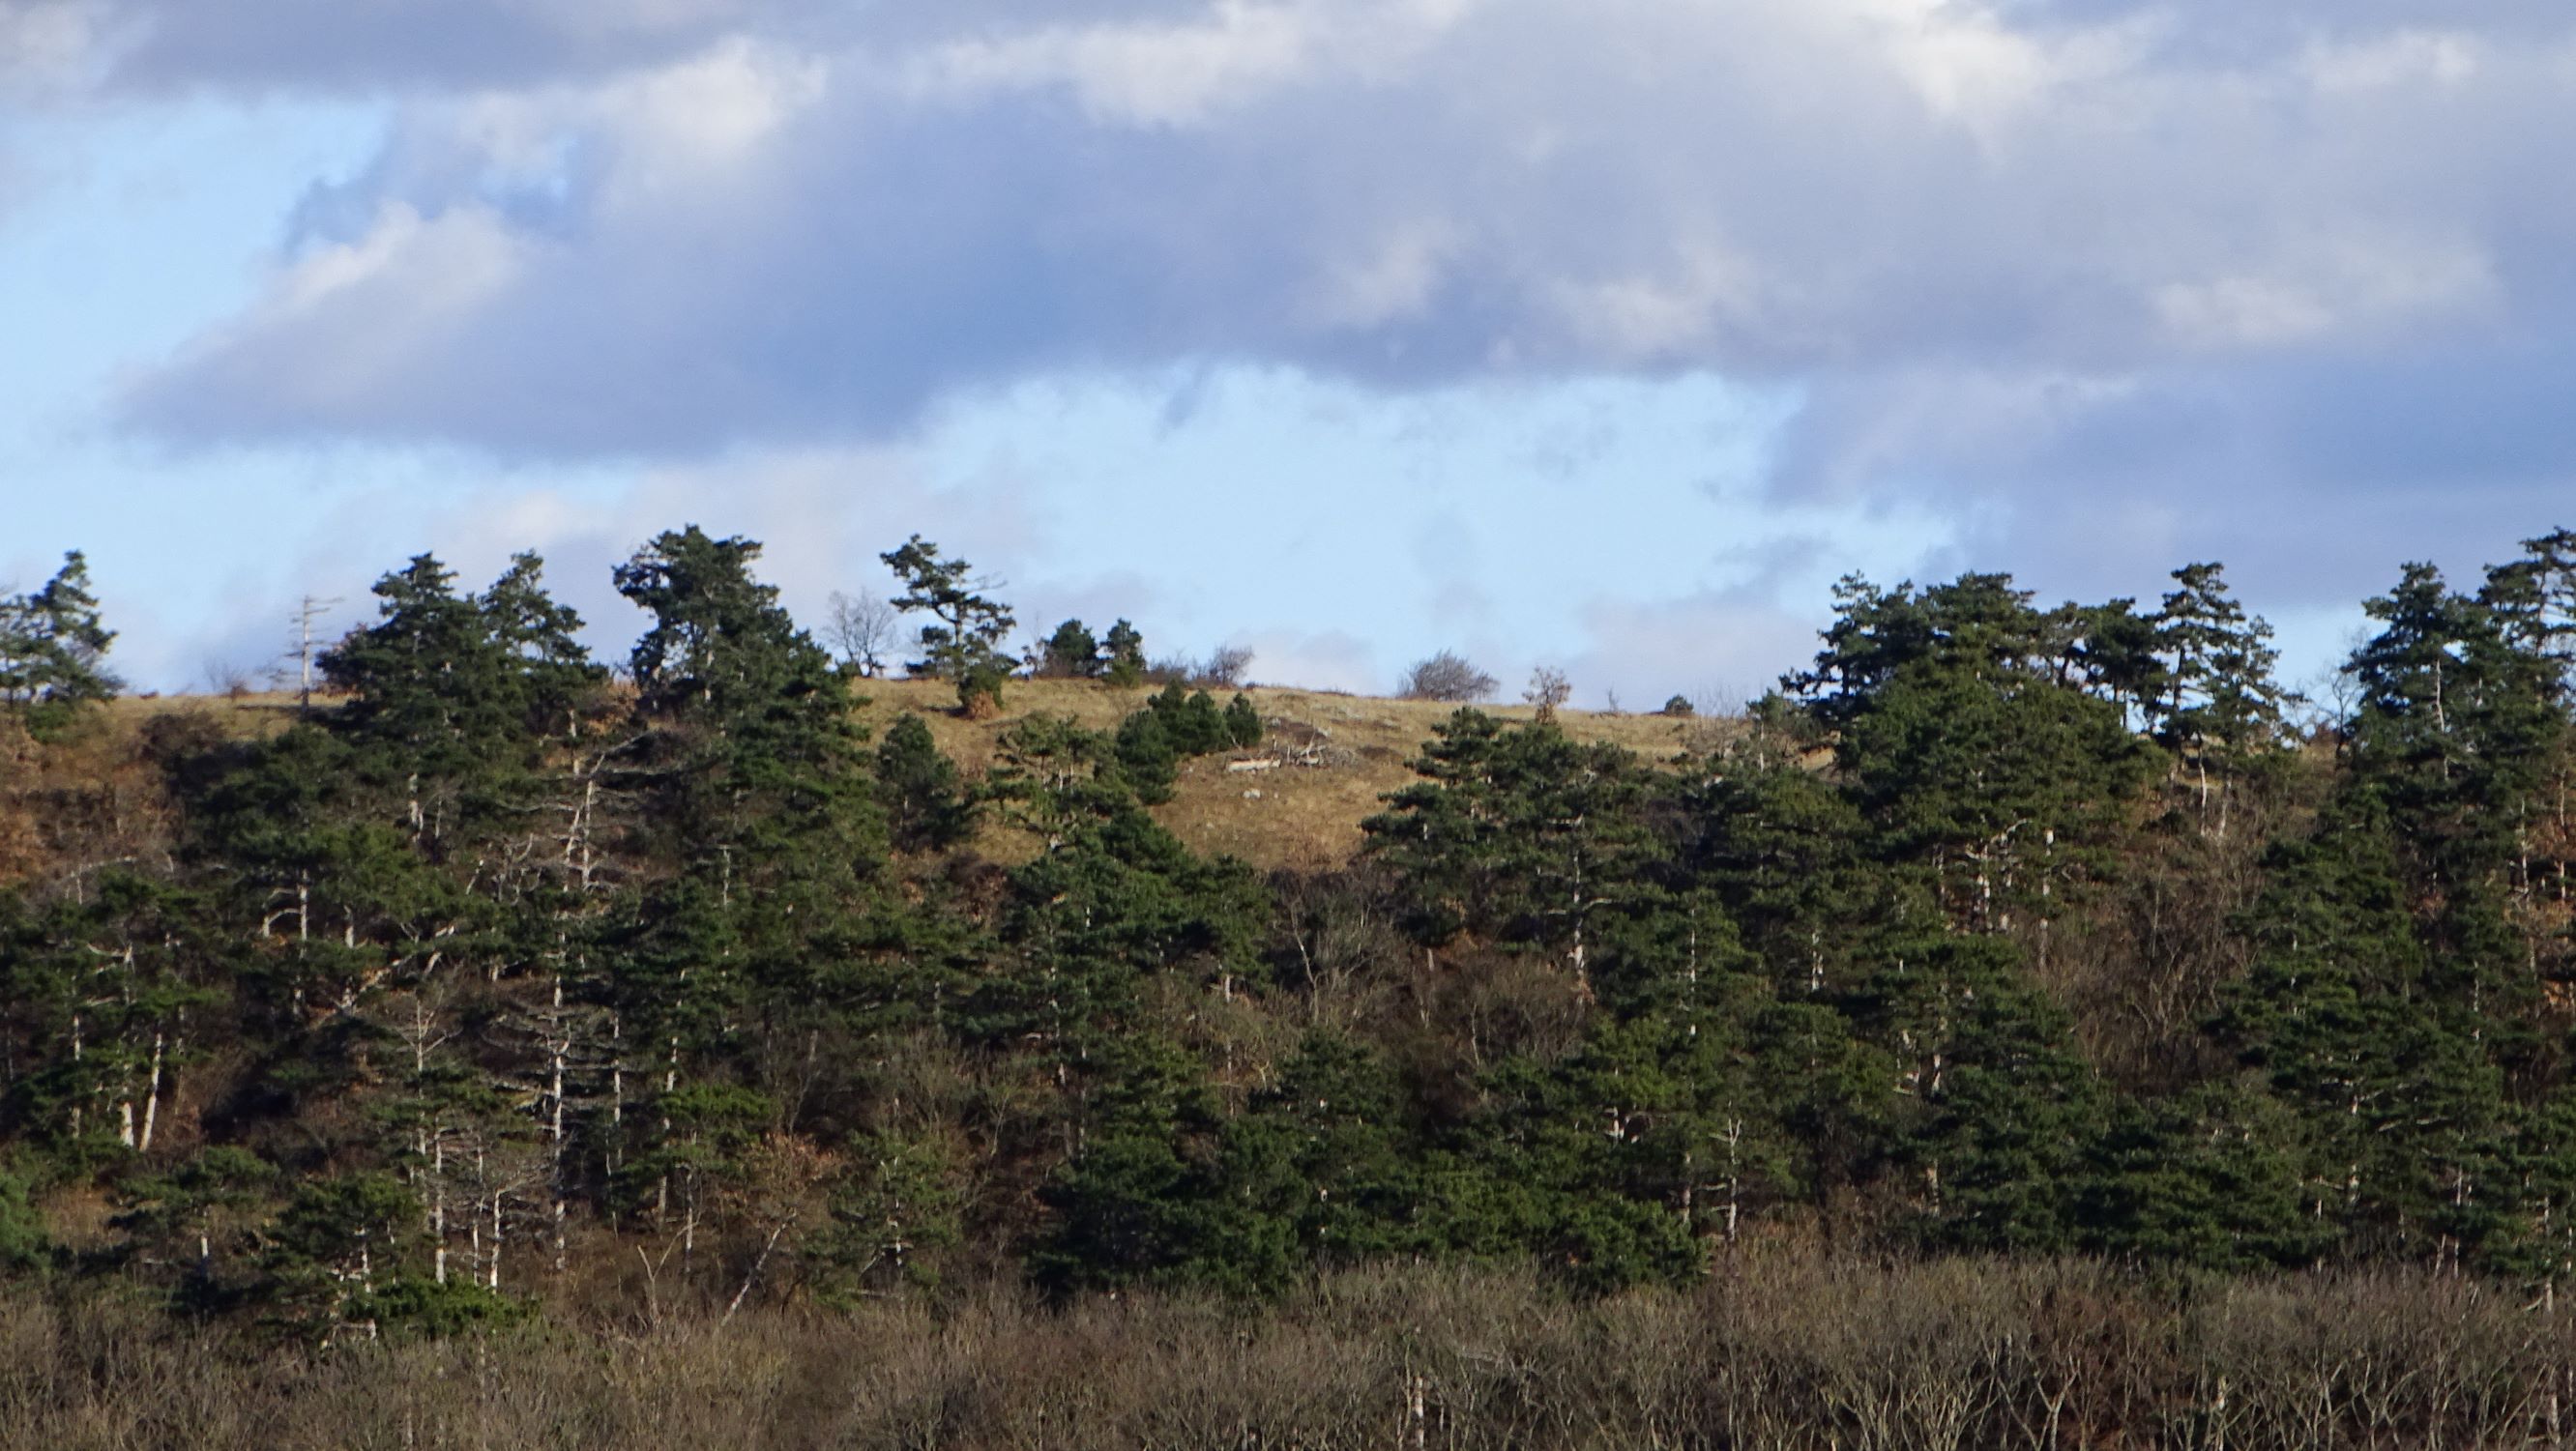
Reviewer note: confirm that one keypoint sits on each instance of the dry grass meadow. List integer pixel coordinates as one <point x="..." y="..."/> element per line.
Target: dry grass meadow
<point x="1337" y="754"/>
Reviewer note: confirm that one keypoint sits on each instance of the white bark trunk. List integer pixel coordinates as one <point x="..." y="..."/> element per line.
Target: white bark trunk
<point x="152" y="1096"/>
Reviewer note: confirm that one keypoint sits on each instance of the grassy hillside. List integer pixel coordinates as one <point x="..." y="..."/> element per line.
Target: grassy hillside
<point x="1336" y="756"/>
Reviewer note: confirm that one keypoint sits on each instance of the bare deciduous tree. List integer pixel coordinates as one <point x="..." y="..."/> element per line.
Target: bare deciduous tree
<point x="860" y="629"/>
<point x="1446" y="676"/>
<point x="1224" y="667"/>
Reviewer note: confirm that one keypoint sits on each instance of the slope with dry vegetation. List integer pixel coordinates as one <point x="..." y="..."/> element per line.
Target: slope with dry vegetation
<point x="2021" y="1028"/>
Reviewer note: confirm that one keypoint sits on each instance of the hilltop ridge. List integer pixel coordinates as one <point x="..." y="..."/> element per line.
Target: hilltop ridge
<point x="1337" y="755"/>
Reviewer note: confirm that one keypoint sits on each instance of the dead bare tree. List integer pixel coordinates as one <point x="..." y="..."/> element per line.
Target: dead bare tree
<point x="300" y="647"/>
<point x="1223" y="669"/>
<point x="859" y="629"/>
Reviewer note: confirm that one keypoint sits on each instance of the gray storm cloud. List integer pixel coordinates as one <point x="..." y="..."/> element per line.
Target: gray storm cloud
<point x="2059" y="255"/>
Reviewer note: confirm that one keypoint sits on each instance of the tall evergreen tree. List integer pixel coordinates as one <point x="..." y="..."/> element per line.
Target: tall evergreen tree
<point x="1316" y="1172"/>
<point x="762" y="805"/>
<point x="1123" y="655"/>
<point x="2352" y="1022"/>
<point x="963" y="642"/>
<point x="1786" y="850"/>
<point x="53" y="648"/>
<point x="108" y="998"/>
<point x="1523" y="835"/>
<point x="926" y="807"/>
<point x="2222" y="718"/>
<point x="454" y="699"/>
<point x="1072" y="653"/>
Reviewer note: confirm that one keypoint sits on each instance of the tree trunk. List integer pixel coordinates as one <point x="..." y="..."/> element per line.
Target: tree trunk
<point x="152" y="1096"/>
<point x="438" y="1205"/>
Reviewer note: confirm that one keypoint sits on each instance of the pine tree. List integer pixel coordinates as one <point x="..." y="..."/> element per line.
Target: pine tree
<point x="761" y="803"/>
<point x="1316" y="1172"/>
<point x="1674" y="1072"/>
<point x="2114" y="654"/>
<point x="1136" y="1203"/>
<point x="2454" y="711"/>
<point x="1784" y="849"/>
<point x="1998" y="791"/>
<point x="2458" y="732"/>
<point x="2350" y="1022"/>
<point x="1522" y="835"/>
<point x="895" y="1213"/>
<point x="2002" y="1109"/>
<point x="1147" y="761"/>
<point x="754" y="744"/>
<point x="1985" y="772"/>
<point x="1243" y="726"/>
<point x="337" y="899"/>
<point x="2546" y="577"/>
<point x="52" y="650"/>
<point x="26" y="1241"/>
<point x="1123" y="656"/>
<point x="338" y="1245"/>
<point x="1191" y="721"/>
<point x="454" y="700"/>
<point x="189" y="1225"/>
<point x="926" y="808"/>
<point x="2211" y="1179"/>
<point x="1051" y="777"/>
<point x="2536" y="1239"/>
<point x="1605" y="1153"/>
<point x="109" y="998"/>
<point x="1072" y="653"/>
<point x="963" y="644"/>
<point x="2222" y="715"/>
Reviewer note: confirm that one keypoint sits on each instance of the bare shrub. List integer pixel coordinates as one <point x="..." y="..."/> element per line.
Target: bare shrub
<point x="1548" y="689"/>
<point x="1490" y="1006"/>
<point x="225" y="678"/>
<point x="1336" y="947"/>
<point x="1223" y="669"/>
<point x="1446" y="676"/>
<point x="1784" y="1346"/>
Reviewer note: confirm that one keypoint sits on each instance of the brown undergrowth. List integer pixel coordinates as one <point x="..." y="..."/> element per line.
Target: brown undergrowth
<point x="1794" y="1351"/>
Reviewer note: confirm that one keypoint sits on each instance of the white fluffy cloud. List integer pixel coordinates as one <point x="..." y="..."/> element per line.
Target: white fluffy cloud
<point x="2051" y="257"/>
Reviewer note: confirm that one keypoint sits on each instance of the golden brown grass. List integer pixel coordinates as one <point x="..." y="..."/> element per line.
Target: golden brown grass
<point x="1299" y="814"/>
<point x="1292" y="816"/>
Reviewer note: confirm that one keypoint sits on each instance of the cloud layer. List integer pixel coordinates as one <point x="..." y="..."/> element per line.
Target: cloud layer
<point x="2105" y="268"/>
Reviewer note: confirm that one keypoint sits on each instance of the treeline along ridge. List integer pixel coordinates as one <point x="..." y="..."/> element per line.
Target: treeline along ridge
<point x="501" y="984"/>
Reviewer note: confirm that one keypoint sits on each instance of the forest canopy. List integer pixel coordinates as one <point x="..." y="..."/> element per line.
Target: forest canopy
<point x="2000" y="929"/>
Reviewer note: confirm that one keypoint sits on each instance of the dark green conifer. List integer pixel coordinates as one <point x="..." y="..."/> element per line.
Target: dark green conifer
<point x="1242" y="722"/>
<point x="1072" y="653"/>
<point x="926" y="809"/>
<point x="53" y="647"/>
<point x="1123" y="656"/>
<point x="1146" y="760"/>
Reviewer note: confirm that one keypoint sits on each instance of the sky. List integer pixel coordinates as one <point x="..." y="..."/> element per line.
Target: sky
<point x="1597" y="334"/>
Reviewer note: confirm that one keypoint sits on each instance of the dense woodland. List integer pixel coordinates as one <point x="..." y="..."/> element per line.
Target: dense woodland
<point x="503" y="985"/>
